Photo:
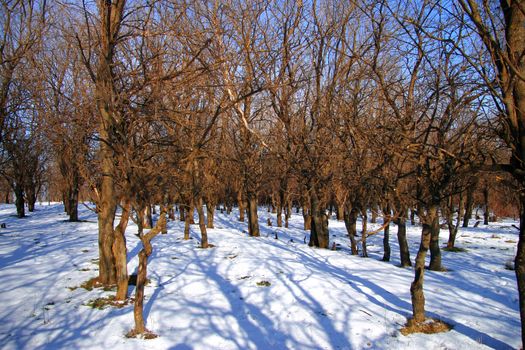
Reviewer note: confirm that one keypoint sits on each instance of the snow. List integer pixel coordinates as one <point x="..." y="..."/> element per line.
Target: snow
<point x="211" y="299"/>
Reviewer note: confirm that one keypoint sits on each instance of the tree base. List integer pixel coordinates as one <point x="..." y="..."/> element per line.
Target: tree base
<point x="141" y="335"/>
<point x="429" y="326"/>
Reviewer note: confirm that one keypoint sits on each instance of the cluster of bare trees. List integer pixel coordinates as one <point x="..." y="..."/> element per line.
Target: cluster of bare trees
<point x="388" y="108"/>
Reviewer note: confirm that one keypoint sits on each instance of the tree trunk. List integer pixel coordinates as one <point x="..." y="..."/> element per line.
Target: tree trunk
<point x="279" y="214"/>
<point x="280" y="204"/>
<point x="350" y="217"/>
<point x="31" y="197"/>
<point x="519" y="264"/>
<point x="307" y="218"/>
<point x="148" y="223"/>
<point x="404" y="251"/>
<point x="373" y="209"/>
<point x="73" y="202"/>
<point x="453" y="228"/>
<point x="240" y="202"/>
<point x="319" y="236"/>
<point x="486" y="212"/>
<point x="19" y="200"/>
<point x="364" y="233"/>
<point x="469" y="206"/>
<point x="187" y="222"/>
<point x="386" y="237"/>
<point x="253" y="218"/>
<point x="147" y="249"/>
<point x="106" y="98"/>
<point x="138" y="309"/>
<point x="120" y="253"/>
<point x="340" y="214"/>
<point x="288" y="213"/>
<point x="435" y="251"/>
<point x="412" y="216"/>
<point x="182" y="212"/>
<point x="416" y="288"/>
<point x="210" y="213"/>
<point x="202" y="223"/>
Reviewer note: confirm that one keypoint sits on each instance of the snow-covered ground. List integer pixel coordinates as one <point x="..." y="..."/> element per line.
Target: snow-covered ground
<point x="211" y="299"/>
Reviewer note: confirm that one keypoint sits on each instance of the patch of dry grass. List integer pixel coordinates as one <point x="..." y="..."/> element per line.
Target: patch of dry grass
<point x="101" y="303"/>
<point x="146" y="335"/>
<point x="429" y="326"/>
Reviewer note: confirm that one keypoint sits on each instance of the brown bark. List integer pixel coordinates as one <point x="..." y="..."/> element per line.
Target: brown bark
<point x="486" y="211"/>
<point x="111" y="13"/>
<point x="364" y="233"/>
<point x="279" y="208"/>
<point x="138" y="309"/>
<point x="210" y="214"/>
<point x="519" y="263"/>
<point x="319" y="235"/>
<point x="340" y="213"/>
<point x="182" y="211"/>
<point x="202" y="223"/>
<point x="386" y="236"/>
<point x="435" y="251"/>
<point x="416" y="288"/>
<point x="404" y="251"/>
<point x="288" y="213"/>
<point x="120" y="253"/>
<point x="453" y="228"/>
<point x="307" y="223"/>
<point x="469" y="206"/>
<point x="253" y="218"/>
<point x="241" y="205"/>
<point x="187" y="221"/>
<point x="73" y="203"/>
<point x="350" y="217"/>
<point x="19" y="200"/>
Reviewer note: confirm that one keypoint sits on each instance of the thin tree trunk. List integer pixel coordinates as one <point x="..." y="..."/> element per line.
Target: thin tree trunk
<point x="386" y="237"/>
<point x="241" y="206"/>
<point x="453" y="228"/>
<point x="340" y="214"/>
<point x="149" y="217"/>
<point x="210" y="214"/>
<point x="73" y="201"/>
<point x="253" y="218"/>
<point x="307" y="218"/>
<point x="288" y="212"/>
<point x="350" y="217"/>
<point x="364" y="233"/>
<point x="469" y="206"/>
<point x="319" y="236"/>
<point x="435" y="251"/>
<point x="416" y="288"/>
<point x="202" y="223"/>
<point x="187" y="222"/>
<point x="486" y="212"/>
<point x="19" y="201"/>
<point x="373" y="209"/>
<point x="120" y="253"/>
<point x="404" y="251"/>
<point x="31" y="198"/>
<point x="519" y="264"/>
<point x="147" y="249"/>
<point x="279" y="214"/>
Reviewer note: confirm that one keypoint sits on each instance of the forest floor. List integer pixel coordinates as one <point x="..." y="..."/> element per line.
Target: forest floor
<point x="251" y="293"/>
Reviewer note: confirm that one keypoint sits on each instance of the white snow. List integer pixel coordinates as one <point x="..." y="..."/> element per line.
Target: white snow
<point x="210" y="299"/>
